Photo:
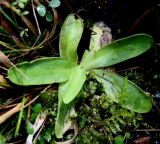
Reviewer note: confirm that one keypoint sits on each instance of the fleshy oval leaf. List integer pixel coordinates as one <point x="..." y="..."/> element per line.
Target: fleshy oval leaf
<point x="70" y="36"/>
<point x="41" y="71"/>
<point x="41" y="9"/>
<point x="54" y="3"/>
<point x="118" y="51"/>
<point x="119" y="139"/>
<point x="123" y="91"/>
<point x="49" y="17"/>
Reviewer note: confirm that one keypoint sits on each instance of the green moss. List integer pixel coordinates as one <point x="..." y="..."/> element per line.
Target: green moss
<point x="100" y="119"/>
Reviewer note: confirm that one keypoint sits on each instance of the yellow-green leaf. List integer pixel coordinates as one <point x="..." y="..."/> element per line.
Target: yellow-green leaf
<point x="41" y="71"/>
<point x="63" y="112"/>
<point x="123" y="91"/>
<point x="70" y="36"/>
<point x="74" y="84"/>
<point x="117" y="51"/>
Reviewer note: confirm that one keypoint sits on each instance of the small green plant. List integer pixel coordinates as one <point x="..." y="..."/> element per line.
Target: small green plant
<point x="20" y="5"/>
<point x="71" y="74"/>
<point x="42" y="10"/>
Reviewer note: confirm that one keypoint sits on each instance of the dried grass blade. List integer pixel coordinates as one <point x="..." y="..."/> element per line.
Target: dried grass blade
<point x="4" y="59"/>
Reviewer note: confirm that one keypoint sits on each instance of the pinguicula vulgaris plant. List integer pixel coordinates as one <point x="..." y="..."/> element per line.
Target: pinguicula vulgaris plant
<point x="71" y="74"/>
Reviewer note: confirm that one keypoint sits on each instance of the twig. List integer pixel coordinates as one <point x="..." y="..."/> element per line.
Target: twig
<point x="68" y="5"/>
<point x="8" y="63"/>
<point x="132" y="68"/>
<point x="6" y="45"/>
<point x="30" y="102"/>
<point x="142" y="130"/>
<point x="55" y="23"/>
<point x="8" y="114"/>
<point x="39" y="31"/>
<point x="39" y="130"/>
<point x="11" y="112"/>
<point x="26" y="21"/>
<point x="5" y="105"/>
<point x="4" y="68"/>
<point x="7" y="17"/>
<point x="139" y="19"/>
<point x="158" y="44"/>
<point x="156" y="107"/>
<point x="29" y="110"/>
<point x="9" y="106"/>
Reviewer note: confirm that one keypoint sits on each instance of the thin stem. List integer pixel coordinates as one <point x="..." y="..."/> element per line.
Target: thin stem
<point x="7" y="17"/>
<point x="19" y="118"/>
<point x="39" y="31"/>
<point x="6" y="45"/>
<point x="25" y="20"/>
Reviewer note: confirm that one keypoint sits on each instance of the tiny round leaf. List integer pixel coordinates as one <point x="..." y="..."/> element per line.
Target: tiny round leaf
<point x="29" y="128"/>
<point x="25" y="13"/>
<point x="54" y="3"/>
<point x="21" y="5"/>
<point x="14" y="3"/>
<point x="119" y="139"/>
<point x="41" y="9"/>
<point x="37" y="108"/>
<point x="49" y="17"/>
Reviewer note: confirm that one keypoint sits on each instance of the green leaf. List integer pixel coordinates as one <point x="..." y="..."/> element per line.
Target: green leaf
<point x="37" y="108"/>
<point x="2" y="139"/>
<point x="118" y="51"/>
<point x="119" y="139"/>
<point x="25" y="13"/>
<point x="54" y="3"/>
<point x="75" y="83"/>
<point x="29" y="128"/>
<point x="70" y="35"/>
<point x="41" y="9"/>
<point x="23" y="1"/>
<point x="49" y="17"/>
<point x="14" y="3"/>
<point x="66" y="93"/>
<point x="64" y="111"/>
<point x="123" y="91"/>
<point x="41" y="71"/>
<point x="21" y="5"/>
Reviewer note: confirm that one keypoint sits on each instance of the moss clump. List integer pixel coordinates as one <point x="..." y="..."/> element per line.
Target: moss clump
<point x="100" y="119"/>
